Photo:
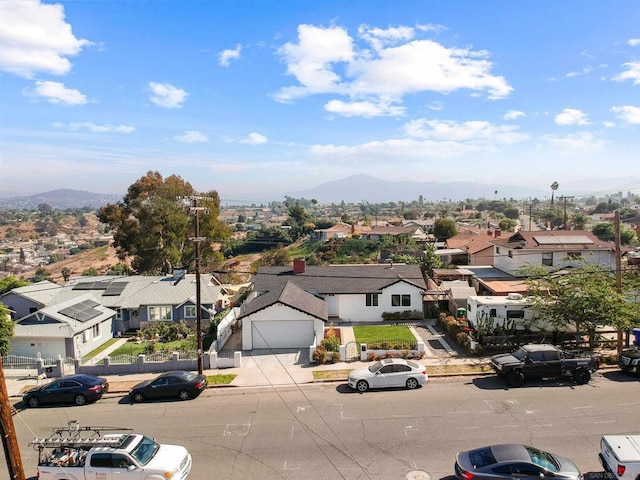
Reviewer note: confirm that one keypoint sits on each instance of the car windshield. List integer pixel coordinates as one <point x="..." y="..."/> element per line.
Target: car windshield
<point x="544" y="459"/>
<point x="145" y="450"/>
<point x="520" y="354"/>
<point x="373" y="368"/>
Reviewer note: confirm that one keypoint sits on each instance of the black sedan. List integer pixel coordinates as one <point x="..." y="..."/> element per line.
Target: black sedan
<point x="513" y="461"/>
<point x="78" y="389"/>
<point x="178" y="384"/>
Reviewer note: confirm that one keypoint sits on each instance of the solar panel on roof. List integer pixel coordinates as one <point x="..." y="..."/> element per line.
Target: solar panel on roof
<point x="564" y="240"/>
<point x="82" y="311"/>
<point x="100" y="285"/>
<point x="114" y="289"/>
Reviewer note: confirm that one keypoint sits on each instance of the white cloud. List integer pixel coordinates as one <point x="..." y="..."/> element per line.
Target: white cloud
<point x="437" y="106"/>
<point x="225" y="57"/>
<point x="191" y="136"/>
<point x="513" y="114"/>
<point x="578" y="142"/>
<point x="327" y="60"/>
<point x="583" y="71"/>
<point x="94" y="128"/>
<point x="166" y="95"/>
<point x="472" y="132"/>
<point x="632" y="73"/>
<point x="255" y="139"/>
<point x="634" y="42"/>
<point x="571" y="116"/>
<point x="628" y="113"/>
<point x="57" y="93"/>
<point x="35" y="38"/>
<point x="363" y="109"/>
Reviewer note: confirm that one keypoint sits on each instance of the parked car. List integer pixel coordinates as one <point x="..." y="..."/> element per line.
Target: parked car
<point x="78" y="389"/>
<point x="629" y="360"/>
<point x="388" y="372"/>
<point x="513" y="461"/>
<point x="176" y="384"/>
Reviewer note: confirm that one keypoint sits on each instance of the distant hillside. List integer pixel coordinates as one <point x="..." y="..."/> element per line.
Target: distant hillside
<point x="60" y="199"/>
<point x="359" y="188"/>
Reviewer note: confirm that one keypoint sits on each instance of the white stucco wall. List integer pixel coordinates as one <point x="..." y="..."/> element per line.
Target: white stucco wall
<point x="353" y="308"/>
<point x="520" y="259"/>
<point x="281" y="314"/>
<point x="47" y="347"/>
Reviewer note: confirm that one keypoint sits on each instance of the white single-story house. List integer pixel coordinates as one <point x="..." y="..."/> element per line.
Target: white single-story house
<point x="68" y="329"/>
<point x="349" y="293"/>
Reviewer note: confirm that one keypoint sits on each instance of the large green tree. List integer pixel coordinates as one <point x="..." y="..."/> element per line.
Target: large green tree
<point x="6" y="330"/>
<point x="583" y="298"/>
<point x="154" y="224"/>
<point x="444" y="228"/>
<point x="9" y="283"/>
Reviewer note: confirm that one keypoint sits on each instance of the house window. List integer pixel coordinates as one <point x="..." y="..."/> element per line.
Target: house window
<point x="498" y="250"/>
<point x="160" y="313"/>
<point x="400" y="300"/>
<point x="85" y="336"/>
<point x="189" y="311"/>
<point x="493" y="313"/>
<point x="515" y="313"/>
<point x="118" y="313"/>
<point x="371" y="300"/>
<point x="547" y="259"/>
<point x="95" y="331"/>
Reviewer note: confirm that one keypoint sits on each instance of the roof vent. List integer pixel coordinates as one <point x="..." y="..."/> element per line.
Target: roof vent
<point x="514" y="296"/>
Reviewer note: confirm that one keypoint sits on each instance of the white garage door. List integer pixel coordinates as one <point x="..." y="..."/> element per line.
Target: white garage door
<point x="282" y="334"/>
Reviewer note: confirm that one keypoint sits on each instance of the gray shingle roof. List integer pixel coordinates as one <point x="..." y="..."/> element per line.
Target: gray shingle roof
<point x="340" y="279"/>
<point x="292" y="296"/>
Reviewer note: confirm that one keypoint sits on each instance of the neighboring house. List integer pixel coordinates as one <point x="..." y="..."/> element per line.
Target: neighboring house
<point x="377" y="233"/>
<point x="69" y="329"/>
<point x="457" y="291"/>
<point x="426" y="225"/>
<point x="133" y="301"/>
<point x="351" y="293"/>
<point x="474" y="247"/>
<point x="340" y="230"/>
<point x="552" y="248"/>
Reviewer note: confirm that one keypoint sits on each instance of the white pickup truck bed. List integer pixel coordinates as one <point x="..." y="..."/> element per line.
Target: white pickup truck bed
<point x="620" y="456"/>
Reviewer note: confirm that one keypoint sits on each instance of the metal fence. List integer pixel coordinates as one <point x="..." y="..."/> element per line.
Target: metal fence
<point x="127" y="359"/>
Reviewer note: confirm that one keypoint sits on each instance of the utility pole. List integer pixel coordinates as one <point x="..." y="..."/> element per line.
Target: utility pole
<point x="618" y="270"/>
<point x="197" y="239"/>
<point x="8" y="432"/>
<point x="565" y="219"/>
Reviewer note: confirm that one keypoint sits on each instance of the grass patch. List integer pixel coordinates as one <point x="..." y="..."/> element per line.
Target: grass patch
<point x="100" y="349"/>
<point x="455" y="369"/>
<point x="220" y="379"/>
<point x="330" y="374"/>
<point x="134" y="348"/>
<point x="391" y="335"/>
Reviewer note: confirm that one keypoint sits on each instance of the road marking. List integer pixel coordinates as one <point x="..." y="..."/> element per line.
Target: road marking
<point x="292" y="429"/>
<point x="582" y="408"/>
<point x="240" y="429"/>
<point x="342" y="417"/>
<point x="627" y="404"/>
<point x="290" y="468"/>
<point x="604" y="421"/>
<point x="302" y="409"/>
<point x="506" y="426"/>
<point x="409" y="428"/>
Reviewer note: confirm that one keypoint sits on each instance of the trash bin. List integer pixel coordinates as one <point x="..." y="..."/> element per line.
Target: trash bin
<point x="636" y="333"/>
<point x="461" y="313"/>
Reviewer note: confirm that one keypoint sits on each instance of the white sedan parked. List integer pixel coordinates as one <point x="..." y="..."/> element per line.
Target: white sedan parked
<point x="388" y="372"/>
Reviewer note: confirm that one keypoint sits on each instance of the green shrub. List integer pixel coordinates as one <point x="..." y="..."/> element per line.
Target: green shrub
<point x="330" y="344"/>
<point x="319" y="356"/>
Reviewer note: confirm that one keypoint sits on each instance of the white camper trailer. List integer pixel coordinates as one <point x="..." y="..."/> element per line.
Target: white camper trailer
<point x="513" y="311"/>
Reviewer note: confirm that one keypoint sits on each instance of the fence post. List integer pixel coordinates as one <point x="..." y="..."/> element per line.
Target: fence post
<point x="237" y="359"/>
<point x="141" y="362"/>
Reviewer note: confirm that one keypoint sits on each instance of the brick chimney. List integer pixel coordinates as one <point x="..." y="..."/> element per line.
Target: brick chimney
<point x="299" y="265"/>
<point x="497" y="233"/>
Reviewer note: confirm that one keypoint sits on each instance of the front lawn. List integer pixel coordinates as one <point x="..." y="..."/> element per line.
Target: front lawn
<point x="391" y="335"/>
<point x="134" y="348"/>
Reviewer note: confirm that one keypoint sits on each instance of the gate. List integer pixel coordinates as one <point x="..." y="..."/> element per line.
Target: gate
<point x="352" y="351"/>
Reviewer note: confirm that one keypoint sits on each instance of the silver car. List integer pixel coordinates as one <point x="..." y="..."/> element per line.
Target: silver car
<point x="513" y="461"/>
<point x="388" y="373"/>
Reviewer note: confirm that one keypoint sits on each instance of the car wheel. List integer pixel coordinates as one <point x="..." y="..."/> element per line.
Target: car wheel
<point x="362" y="386"/>
<point x="184" y="395"/>
<point x="137" y="397"/>
<point x="80" y="400"/>
<point x="33" y="402"/>
<point x="515" y="378"/>
<point x="582" y="376"/>
<point x="412" y="383"/>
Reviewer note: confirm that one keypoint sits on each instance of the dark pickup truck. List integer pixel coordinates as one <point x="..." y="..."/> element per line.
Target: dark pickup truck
<point x="543" y="361"/>
<point x="629" y="360"/>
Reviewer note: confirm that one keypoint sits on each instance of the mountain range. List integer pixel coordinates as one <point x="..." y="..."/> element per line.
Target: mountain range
<point x="353" y="189"/>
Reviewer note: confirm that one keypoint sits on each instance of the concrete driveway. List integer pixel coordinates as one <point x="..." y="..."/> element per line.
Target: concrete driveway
<point x="274" y="367"/>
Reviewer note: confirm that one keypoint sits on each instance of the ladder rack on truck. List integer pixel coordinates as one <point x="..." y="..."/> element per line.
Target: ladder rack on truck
<point x="75" y="436"/>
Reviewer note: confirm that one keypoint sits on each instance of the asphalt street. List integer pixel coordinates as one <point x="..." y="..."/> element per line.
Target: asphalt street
<point x="329" y="431"/>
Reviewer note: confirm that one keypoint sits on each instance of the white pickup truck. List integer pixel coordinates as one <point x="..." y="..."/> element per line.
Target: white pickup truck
<point x="620" y="456"/>
<point x="96" y="453"/>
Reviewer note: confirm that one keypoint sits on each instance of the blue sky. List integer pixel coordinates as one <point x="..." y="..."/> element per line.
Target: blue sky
<point x="257" y="98"/>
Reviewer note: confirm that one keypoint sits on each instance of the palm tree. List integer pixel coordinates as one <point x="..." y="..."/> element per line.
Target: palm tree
<point x="554" y="187"/>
